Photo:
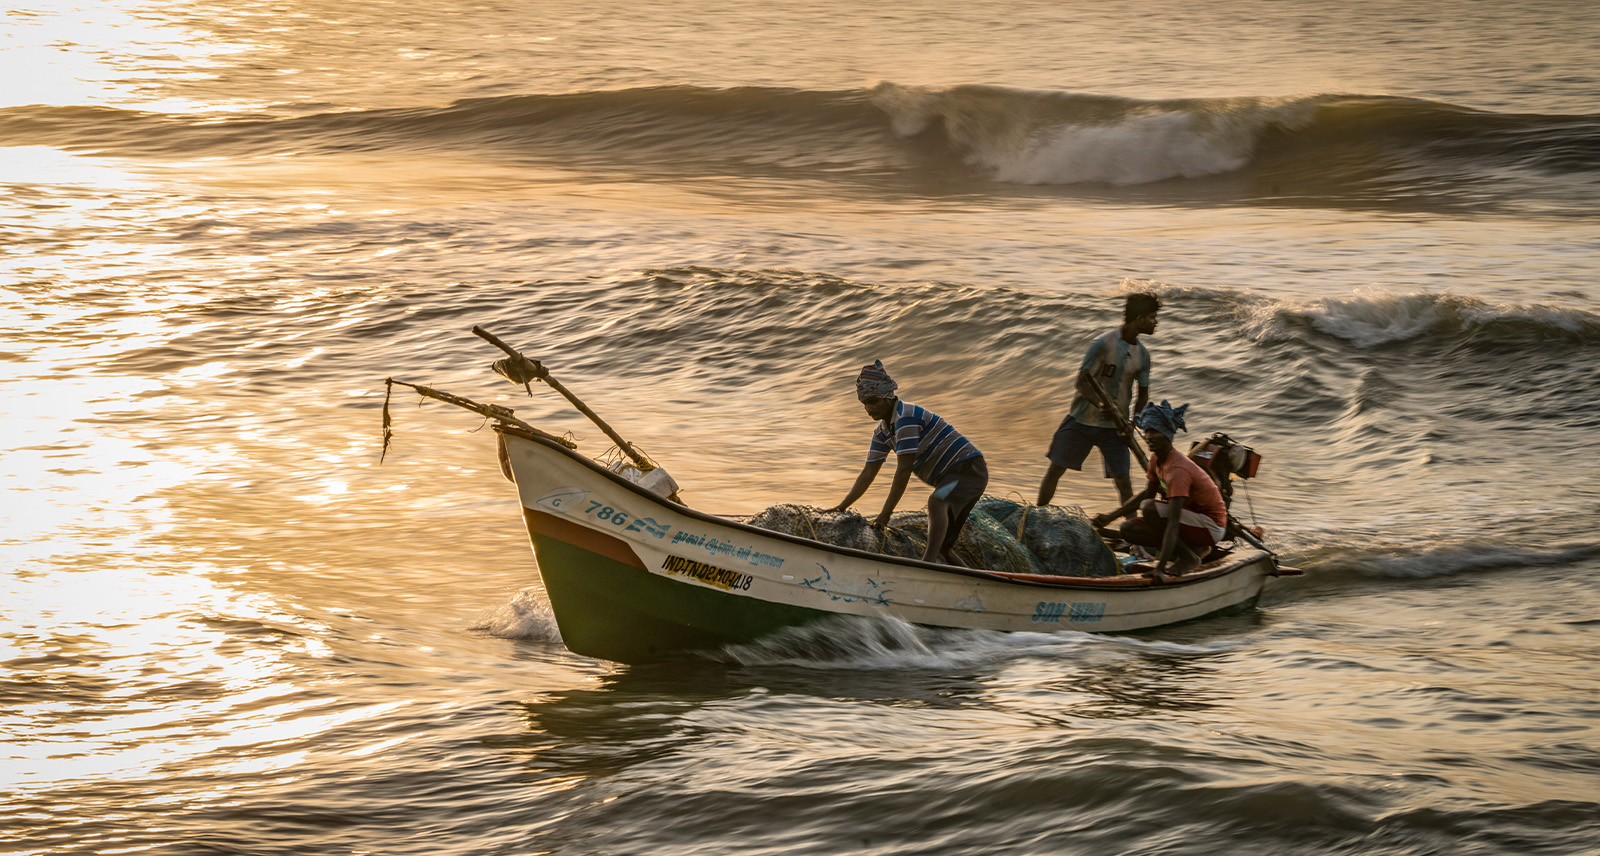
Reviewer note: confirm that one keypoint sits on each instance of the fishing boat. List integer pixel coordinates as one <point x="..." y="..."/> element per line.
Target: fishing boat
<point x="633" y="575"/>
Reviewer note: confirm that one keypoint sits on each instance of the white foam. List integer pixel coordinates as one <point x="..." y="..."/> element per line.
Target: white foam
<point x="1139" y="150"/>
<point x="861" y="643"/>
<point x="1035" y="137"/>
<point x="1369" y="318"/>
<point x="525" y="616"/>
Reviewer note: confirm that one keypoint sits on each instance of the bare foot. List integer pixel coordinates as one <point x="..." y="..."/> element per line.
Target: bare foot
<point x="1186" y="561"/>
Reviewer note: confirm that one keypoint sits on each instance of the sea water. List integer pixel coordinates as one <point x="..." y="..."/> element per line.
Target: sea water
<point x="226" y="628"/>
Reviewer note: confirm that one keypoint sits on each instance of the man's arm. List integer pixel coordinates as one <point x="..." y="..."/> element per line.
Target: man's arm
<point x="863" y="481"/>
<point x="903" y="466"/>
<point x="1127" y="508"/>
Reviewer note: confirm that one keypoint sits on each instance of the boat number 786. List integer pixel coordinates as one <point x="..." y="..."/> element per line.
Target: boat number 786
<point x="607" y="513"/>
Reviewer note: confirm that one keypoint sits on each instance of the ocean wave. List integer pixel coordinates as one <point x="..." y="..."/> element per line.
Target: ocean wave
<point x="1424" y="559"/>
<point x="1312" y="145"/>
<point x="1363" y="319"/>
<point x="688" y="125"/>
<point x="1033" y="137"/>
<point x="1370" y="319"/>
<point x="1288" y="145"/>
<point x="983" y="344"/>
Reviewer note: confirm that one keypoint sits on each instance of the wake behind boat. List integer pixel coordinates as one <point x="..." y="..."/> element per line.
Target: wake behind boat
<point x="633" y="575"/>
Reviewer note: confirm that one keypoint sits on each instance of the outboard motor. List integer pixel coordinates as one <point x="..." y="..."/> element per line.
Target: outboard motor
<point x="1222" y="459"/>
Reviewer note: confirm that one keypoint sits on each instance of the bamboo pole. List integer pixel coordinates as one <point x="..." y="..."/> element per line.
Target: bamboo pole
<point x="535" y="369"/>
<point x="491" y="411"/>
<point x="1123" y="428"/>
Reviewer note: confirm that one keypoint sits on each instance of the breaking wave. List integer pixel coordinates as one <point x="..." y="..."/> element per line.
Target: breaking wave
<point x="1370" y="319"/>
<point x="1069" y="138"/>
<point x="1322" y="145"/>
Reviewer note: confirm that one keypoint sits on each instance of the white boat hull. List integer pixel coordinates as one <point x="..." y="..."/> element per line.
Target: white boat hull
<point x="632" y="576"/>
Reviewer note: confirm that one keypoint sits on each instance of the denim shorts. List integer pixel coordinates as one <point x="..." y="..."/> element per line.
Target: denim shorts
<point x="1073" y="440"/>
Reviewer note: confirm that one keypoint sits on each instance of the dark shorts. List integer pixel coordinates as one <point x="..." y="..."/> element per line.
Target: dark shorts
<point x="960" y="489"/>
<point x="963" y="484"/>
<point x="1073" y="440"/>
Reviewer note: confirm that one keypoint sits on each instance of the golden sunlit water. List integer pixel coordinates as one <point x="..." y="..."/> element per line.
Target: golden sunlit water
<point x="225" y="627"/>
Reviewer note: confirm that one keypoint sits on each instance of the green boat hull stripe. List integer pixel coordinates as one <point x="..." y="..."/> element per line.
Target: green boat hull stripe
<point x="615" y="610"/>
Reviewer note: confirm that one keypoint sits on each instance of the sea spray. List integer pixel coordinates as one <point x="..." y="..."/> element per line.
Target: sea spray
<point x="526" y="616"/>
<point x="858" y="643"/>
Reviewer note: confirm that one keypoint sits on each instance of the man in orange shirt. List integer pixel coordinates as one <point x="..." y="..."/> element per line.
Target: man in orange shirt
<point x="1192" y="519"/>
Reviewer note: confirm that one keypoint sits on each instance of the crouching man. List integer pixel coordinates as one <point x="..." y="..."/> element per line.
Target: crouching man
<point x="1182" y="528"/>
<point x="925" y="445"/>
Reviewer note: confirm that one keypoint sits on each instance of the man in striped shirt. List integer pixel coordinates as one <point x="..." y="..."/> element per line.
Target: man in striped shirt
<point x="925" y="445"/>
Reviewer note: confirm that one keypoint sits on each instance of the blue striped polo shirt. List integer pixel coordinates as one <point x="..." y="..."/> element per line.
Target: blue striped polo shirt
<point x="920" y="431"/>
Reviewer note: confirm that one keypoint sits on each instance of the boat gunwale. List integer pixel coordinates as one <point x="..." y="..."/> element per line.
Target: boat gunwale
<point x="1128" y="581"/>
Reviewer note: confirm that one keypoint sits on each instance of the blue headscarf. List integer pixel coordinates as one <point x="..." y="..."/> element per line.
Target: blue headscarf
<point x="1162" y="417"/>
<point x="874" y="382"/>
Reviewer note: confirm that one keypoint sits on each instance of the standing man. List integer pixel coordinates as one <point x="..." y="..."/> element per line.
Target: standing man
<point x="1184" y="527"/>
<point x="927" y="445"/>
<point x="1114" y="362"/>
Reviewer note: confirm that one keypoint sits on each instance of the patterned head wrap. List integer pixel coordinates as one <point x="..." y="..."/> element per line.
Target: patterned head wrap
<point x="874" y="382"/>
<point x="1162" y="417"/>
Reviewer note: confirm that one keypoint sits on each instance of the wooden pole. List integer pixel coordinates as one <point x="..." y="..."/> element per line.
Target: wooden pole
<point x="1123" y="428"/>
<point x="490" y="411"/>
<point x="536" y="369"/>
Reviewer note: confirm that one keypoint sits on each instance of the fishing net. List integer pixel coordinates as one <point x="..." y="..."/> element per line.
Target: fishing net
<point x="1000" y="535"/>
